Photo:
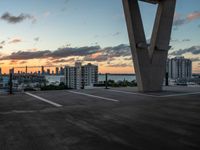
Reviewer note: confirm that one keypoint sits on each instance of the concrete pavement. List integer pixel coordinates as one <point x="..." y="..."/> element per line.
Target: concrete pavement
<point x="83" y="122"/>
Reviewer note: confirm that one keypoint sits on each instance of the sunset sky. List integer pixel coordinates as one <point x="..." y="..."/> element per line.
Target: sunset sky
<point x="59" y="32"/>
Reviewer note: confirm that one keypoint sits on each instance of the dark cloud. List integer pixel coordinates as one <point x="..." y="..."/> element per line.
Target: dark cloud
<point x="116" y="34"/>
<point x="22" y="55"/>
<point x="110" y="53"/>
<point x="186" y="40"/>
<point x="179" y="20"/>
<point x="79" y="51"/>
<point x="60" y="53"/>
<point x="129" y="58"/>
<point x="13" y="62"/>
<point x="1" y="47"/>
<point x="118" y="51"/>
<point x="65" y="7"/>
<point x="3" y="42"/>
<point x="63" y="60"/>
<point x="119" y="65"/>
<point x="195" y="59"/>
<point x="174" y="40"/>
<point x="92" y="53"/>
<point x="195" y="50"/>
<point x="36" y="39"/>
<point x="99" y="58"/>
<point x="23" y="62"/>
<point x="17" y="19"/>
<point x="15" y="41"/>
<point x="177" y="41"/>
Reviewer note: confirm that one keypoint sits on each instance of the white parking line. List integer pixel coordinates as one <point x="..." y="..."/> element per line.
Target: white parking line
<point x="94" y="96"/>
<point x="161" y="96"/>
<point x="184" y="94"/>
<point x="44" y="100"/>
<point x="140" y="94"/>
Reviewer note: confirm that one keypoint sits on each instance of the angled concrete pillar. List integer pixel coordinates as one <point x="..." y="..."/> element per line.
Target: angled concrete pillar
<point x="150" y="60"/>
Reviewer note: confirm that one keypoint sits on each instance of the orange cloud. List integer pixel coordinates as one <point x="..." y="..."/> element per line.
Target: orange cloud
<point x="193" y="16"/>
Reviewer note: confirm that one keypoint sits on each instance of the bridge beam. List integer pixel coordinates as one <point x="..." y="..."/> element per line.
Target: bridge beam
<point x="150" y="60"/>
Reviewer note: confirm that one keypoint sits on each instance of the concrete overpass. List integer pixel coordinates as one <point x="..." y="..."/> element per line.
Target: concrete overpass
<point x="150" y="59"/>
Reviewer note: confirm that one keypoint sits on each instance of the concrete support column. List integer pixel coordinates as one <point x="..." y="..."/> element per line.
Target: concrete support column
<point x="150" y="60"/>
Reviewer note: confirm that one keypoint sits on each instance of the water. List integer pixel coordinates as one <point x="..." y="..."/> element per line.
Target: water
<point x="101" y="78"/>
<point x="117" y="77"/>
<point x="58" y="79"/>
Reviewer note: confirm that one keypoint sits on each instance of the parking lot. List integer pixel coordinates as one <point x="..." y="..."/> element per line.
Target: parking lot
<point x="96" y="119"/>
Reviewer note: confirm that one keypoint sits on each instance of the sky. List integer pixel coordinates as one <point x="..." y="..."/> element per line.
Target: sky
<point x="60" y="32"/>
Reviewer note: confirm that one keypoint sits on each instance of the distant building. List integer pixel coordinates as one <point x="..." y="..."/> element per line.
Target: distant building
<point x="0" y="75"/>
<point x="179" y="68"/>
<point x="61" y="71"/>
<point x="48" y="71"/>
<point x="57" y="71"/>
<point x="90" y="74"/>
<point x="26" y="69"/>
<point x="80" y="76"/>
<point x="42" y="70"/>
<point x="12" y="71"/>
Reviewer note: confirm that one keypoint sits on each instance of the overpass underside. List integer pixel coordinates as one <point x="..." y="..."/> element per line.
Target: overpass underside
<point x="150" y="59"/>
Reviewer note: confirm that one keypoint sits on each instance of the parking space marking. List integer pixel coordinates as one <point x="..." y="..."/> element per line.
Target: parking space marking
<point x="184" y="94"/>
<point x="44" y="100"/>
<point x="94" y="96"/>
<point x="140" y="94"/>
<point x="157" y="96"/>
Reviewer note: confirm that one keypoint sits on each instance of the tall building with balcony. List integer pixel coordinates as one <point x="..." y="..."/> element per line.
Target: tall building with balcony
<point x="71" y="79"/>
<point x="80" y="76"/>
<point x="179" y="68"/>
<point x="89" y="74"/>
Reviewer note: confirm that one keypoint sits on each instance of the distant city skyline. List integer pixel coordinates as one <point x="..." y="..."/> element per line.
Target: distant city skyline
<point x="41" y="32"/>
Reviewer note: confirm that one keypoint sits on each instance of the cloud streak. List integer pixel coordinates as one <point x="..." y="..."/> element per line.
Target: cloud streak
<point x="59" y="53"/>
<point x="15" y="41"/>
<point x="195" y="50"/>
<point x="88" y="53"/>
<point x="179" y="20"/>
<point x="17" y="19"/>
<point x="120" y="65"/>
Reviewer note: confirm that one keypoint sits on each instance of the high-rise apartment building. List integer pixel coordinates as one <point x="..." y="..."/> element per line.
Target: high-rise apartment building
<point x="179" y="68"/>
<point x="90" y="74"/>
<point x="80" y="76"/>
<point x="72" y="80"/>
